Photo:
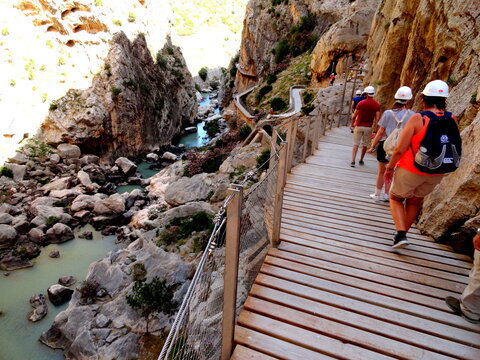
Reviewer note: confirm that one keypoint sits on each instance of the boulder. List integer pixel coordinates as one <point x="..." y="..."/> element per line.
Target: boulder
<point x="54" y="254"/>
<point x="83" y="202"/>
<point x="67" y="280"/>
<point x="49" y="212"/>
<point x="58" y="184"/>
<point x="40" y="308"/>
<point x="55" y="158"/>
<point x="19" y="158"/>
<point x="68" y="151"/>
<point x="241" y="157"/>
<point x="115" y="204"/>
<point x="21" y="224"/>
<point x="152" y="157"/>
<point x="81" y="215"/>
<point x="59" y="233"/>
<point x="9" y="209"/>
<point x="43" y="200"/>
<point x="6" y="218"/>
<point x="85" y="180"/>
<point x="36" y="235"/>
<point x="127" y="166"/>
<point x="87" y="235"/>
<point x="59" y="294"/>
<point x="102" y="321"/>
<point x="190" y="130"/>
<point x="62" y="194"/>
<point x="7" y="236"/>
<point x="89" y="159"/>
<point x="169" y="156"/>
<point x="17" y="170"/>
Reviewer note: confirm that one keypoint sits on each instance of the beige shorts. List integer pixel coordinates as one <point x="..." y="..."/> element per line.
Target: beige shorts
<point x="407" y="184"/>
<point x="361" y="134"/>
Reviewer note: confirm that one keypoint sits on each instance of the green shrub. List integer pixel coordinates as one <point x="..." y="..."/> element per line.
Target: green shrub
<point x="307" y="97"/>
<point x="473" y="98"/>
<point x="88" y="291"/>
<point x="271" y="78"/>
<point x="98" y="2"/>
<point x="115" y="91"/>
<point x="170" y="50"/>
<point x="452" y="81"/>
<point x="49" y="43"/>
<point x="61" y="61"/>
<point x="277" y="104"/>
<point x="281" y="51"/>
<point x="13" y="82"/>
<point x="178" y="75"/>
<point x="52" y="220"/>
<point x="145" y="88"/>
<point x="214" y="84"/>
<point x="161" y="61"/>
<point x="108" y="69"/>
<point x="307" y="109"/>
<point x="117" y="22"/>
<point x="263" y="159"/>
<point x="264" y="90"/>
<point x="212" y="127"/>
<point x="168" y="236"/>
<point x="4" y="171"/>
<point x="244" y="131"/>
<point x="139" y="271"/>
<point x="233" y="71"/>
<point x="130" y="84"/>
<point x="44" y="97"/>
<point x="131" y="17"/>
<point x="5" y="32"/>
<point x="53" y="105"/>
<point x="203" y="73"/>
<point x="36" y="148"/>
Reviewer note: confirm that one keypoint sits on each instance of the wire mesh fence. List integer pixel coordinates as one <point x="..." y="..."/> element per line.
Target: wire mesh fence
<point x="196" y="333"/>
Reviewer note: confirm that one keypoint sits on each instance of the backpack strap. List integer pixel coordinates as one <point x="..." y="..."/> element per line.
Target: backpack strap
<point x="396" y="118"/>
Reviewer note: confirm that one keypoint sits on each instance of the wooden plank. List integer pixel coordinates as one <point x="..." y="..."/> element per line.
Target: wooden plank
<point x="383" y="266"/>
<point x="336" y="317"/>
<point x="397" y="304"/>
<point x="362" y="279"/>
<point x="244" y="353"/>
<point x="340" y="331"/>
<point x="308" y="339"/>
<point x="406" y="253"/>
<point x="318" y="243"/>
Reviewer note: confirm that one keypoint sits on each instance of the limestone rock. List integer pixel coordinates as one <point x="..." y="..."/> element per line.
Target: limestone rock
<point x="169" y="156"/>
<point x="152" y="157"/>
<point x="45" y="212"/>
<point x="19" y="158"/>
<point x="89" y="159"/>
<point x="83" y="202"/>
<point x="61" y="194"/>
<point x="195" y="188"/>
<point x="59" y="233"/>
<point x="40" y="308"/>
<point x="160" y="181"/>
<point x="241" y="157"/>
<point x="115" y="204"/>
<point x="7" y="236"/>
<point x="127" y="166"/>
<point x="68" y="151"/>
<point x="6" y="218"/>
<point x="67" y="280"/>
<point x="36" y="235"/>
<point x="55" y="158"/>
<point x="58" y="184"/>
<point x="59" y="294"/>
<point x="17" y="170"/>
<point x="54" y="254"/>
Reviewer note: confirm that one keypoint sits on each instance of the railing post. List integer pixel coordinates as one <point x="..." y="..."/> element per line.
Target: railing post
<point x="316" y="130"/>
<point x="281" y="179"/>
<point x="307" y="136"/>
<point x="291" y="144"/>
<point x="324" y="123"/>
<point x="234" y="210"/>
<point x="273" y="148"/>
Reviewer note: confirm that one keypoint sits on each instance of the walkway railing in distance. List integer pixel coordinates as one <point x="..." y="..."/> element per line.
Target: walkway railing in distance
<point x="246" y="225"/>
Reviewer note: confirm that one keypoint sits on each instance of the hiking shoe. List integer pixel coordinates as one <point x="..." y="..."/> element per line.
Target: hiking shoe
<point x="386" y="197"/>
<point x="399" y="243"/>
<point x="454" y="305"/>
<point x="376" y="198"/>
<point x="352" y="164"/>
<point x="361" y="162"/>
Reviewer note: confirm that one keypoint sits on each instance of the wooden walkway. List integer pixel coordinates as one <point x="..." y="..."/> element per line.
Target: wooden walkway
<point x="334" y="289"/>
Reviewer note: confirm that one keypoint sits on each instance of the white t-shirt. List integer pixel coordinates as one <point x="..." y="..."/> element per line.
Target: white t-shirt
<point x="389" y="122"/>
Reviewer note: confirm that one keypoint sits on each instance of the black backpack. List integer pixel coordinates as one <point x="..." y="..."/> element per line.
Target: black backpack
<point x="440" y="150"/>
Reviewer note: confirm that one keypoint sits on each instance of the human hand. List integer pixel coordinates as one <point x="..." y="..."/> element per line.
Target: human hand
<point x="388" y="175"/>
<point x="351" y="129"/>
<point x="371" y="150"/>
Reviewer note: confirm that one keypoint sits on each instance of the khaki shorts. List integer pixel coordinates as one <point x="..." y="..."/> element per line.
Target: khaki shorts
<point x="407" y="184"/>
<point x="362" y="133"/>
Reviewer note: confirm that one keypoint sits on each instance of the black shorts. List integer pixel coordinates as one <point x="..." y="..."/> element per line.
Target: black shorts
<point x="381" y="155"/>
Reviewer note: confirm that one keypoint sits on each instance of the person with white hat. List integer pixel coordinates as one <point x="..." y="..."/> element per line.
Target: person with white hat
<point x="365" y="116"/>
<point x="410" y="185"/>
<point x="395" y="118"/>
<point x="359" y="97"/>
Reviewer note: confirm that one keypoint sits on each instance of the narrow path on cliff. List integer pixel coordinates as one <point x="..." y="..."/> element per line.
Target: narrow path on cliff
<point x="335" y="289"/>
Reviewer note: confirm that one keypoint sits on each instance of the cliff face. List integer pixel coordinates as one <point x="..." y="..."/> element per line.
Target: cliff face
<point x="132" y="107"/>
<point x="266" y="25"/>
<point x="89" y="71"/>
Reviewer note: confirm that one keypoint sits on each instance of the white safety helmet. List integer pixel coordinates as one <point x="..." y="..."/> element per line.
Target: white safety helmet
<point x="437" y="88"/>
<point x="403" y="94"/>
<point x="358" y="92"/>
<point x="369" y="90"/>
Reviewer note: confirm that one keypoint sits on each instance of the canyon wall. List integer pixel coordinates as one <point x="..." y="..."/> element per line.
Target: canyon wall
<point x="102" y="75"/>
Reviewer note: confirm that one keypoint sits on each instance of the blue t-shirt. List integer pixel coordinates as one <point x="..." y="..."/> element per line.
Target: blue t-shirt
<point x="356" y="100"/>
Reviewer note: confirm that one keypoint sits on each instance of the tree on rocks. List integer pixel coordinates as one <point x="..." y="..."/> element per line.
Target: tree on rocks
<point x="151" y="298"/>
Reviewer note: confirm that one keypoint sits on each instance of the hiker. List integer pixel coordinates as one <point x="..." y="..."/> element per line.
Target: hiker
<point x="410" y="184"/>
<point x="468" y="306"/>
<point x="395" y="118"/>
<point x="359" y="97"/>
<point x="332" y="78"/>
<point x="365" y="116"/>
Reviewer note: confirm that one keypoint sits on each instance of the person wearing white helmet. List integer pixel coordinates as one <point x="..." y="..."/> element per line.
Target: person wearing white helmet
<point x="365" y="116"/>
<point x="411" y="185"/>
<point x="391" y="120"/>
<point x="359" y="97"/>
<point x="332" y="78"/>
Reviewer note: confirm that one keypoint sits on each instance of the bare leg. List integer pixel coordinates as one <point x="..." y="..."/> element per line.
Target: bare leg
<point x="412" y="208"/>
<point x="354" y="152"/>
<point x="364" y="151"/>
<point x="381" y="170"/>
<point x="398" y="213"/>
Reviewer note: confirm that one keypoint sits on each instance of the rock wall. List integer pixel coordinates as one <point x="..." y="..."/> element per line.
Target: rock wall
<point x="133" y="106"/>
<point x="412" y="43"/>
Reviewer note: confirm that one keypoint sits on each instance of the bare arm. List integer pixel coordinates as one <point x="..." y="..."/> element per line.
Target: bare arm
<point x="376" y="139"/>
<point x="354" y="117"/>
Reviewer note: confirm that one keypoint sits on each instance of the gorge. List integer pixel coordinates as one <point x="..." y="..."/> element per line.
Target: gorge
<point x="105" y="87"/>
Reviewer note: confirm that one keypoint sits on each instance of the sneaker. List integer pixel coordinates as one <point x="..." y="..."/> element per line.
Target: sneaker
<point x="361" y="162"/>
<point x="400" y="243"/>
<point x="454" y="305"/>
<point x="386" y="197"/>
<point x="376" y="198"/>
<point x="352" y="164"/>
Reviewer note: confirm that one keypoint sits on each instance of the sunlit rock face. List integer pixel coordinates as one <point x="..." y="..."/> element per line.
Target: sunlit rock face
<point x="264" y="28"/>
<point x="65" y="56"/>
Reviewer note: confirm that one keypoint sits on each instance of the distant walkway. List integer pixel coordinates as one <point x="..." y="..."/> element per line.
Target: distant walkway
<point x="242" y="71"/>
<point x="335" y="289"/>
